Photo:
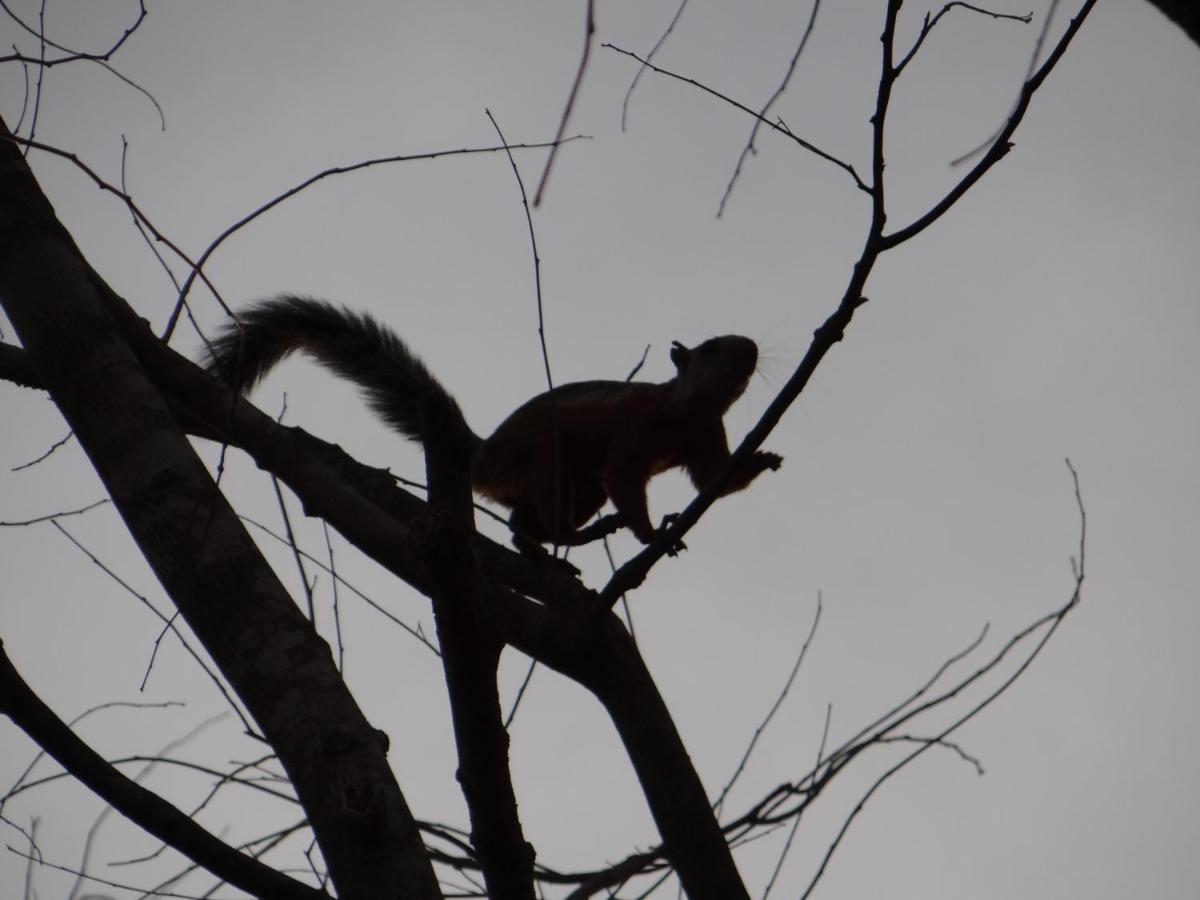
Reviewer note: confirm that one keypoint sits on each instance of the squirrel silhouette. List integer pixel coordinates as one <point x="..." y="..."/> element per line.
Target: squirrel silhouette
<point x="556" y="459"/>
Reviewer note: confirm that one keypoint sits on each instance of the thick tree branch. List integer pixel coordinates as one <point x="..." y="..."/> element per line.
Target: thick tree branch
<point x="470" y="657"/>
<point x="145" y="808"/>
<point x="16" y="367"/>
<point x="226" y="592"/>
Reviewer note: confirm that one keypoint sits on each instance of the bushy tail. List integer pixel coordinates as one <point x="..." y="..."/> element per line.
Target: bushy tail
<point x="394" y="381"/>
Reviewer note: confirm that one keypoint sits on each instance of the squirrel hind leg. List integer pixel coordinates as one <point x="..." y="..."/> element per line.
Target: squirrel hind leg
<point x="539" y="520"/>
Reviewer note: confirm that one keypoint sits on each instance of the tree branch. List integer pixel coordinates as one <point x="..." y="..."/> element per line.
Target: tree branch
<point x="471" y="656"/>
<point x="774" y="126"/>
<point x="200" y="551"/>
<point x="145" y="808"/>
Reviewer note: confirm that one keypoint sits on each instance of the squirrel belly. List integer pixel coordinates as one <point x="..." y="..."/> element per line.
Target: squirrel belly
<point x="554" y="461"/>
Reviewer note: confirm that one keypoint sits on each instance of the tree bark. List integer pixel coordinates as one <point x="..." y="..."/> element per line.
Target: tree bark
<point x="280" y="668"/>
<point x="470" y="657"/>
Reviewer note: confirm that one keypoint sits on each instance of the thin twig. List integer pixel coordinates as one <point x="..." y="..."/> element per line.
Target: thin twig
<point x="512" y="712"/>
<point x="337" y="614"/>
<point x="61" y="442"/>
<point x="124" y="198"/>
<point x="537" y="260"/>
<point x="141" y="598"/>
<point x="1000" y="146"/>
<point x="291" y="535"/>
<point x="141" y="776"/>
<point x="928" y="25"/>
<point x="52" y="516"/>
<point x="589" y="35"/>
<point x="309" y="182"/>
<point x="762" y="113"/>
<point x="762" y="727"/>
<point x="1051" y="621"/>
<point x="72" y="55"/>
<point x="778" y="127"/>
<point x="649" y="56"/>
<point x="787" y="844"/>
<point x="416" y="631"/>
<point x="541" y="318"/>
<point x="21" y="785"/>
<point x="104" y="881"/>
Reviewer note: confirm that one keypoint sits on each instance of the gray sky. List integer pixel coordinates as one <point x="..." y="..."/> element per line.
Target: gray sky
<point x="924" y="493"/>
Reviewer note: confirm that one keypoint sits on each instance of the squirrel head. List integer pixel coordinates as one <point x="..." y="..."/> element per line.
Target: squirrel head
<point x="714" y="374"/>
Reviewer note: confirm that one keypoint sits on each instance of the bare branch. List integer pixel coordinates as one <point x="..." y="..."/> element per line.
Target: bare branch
<point x="930" y="22"/>
<point x="413" y="630"/>
<point x="148" y="810"/>
<point x="309" y="182"/>
<point x="57" y="445"/>
<point x="762" y="113"/>
<point x="71" y="55"/>
<point x="589" y="35"/>
<point x="649" y="56"/>
<point x="333" y="586"/>
<point x="1001" y="145"/>
<point x="774" y="126"/>
<point x="758" y="732"/>
<point x="50" y="517"/>
<point x="122" y="196"/>
<point x="141" y="776"/>
<point x="537" y="260"/>
<point x="169" y="623"/>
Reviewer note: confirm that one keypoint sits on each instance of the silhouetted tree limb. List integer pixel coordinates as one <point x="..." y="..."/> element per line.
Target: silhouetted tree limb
<point x="225" y="590"/>
<point x="1184" y="13"/>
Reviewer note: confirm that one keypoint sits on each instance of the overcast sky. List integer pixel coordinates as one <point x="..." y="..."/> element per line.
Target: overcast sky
<point x="924" y="493"/>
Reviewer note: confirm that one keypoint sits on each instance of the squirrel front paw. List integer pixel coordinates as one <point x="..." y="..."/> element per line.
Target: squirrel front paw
<point x="764" y="460"/>
<point x="678" y="546"/>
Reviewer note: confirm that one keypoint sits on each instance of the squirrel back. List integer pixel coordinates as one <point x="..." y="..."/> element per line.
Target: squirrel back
<point x="559" y="457"/>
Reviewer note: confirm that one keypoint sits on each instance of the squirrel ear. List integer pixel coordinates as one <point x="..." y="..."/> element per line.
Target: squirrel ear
<point x="679" y="355"/>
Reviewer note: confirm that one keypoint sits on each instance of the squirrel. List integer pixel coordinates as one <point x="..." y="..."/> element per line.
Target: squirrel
<point x="556" y="459"/>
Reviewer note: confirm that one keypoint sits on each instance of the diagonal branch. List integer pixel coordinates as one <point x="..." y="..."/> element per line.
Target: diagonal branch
<point x="589" y="34"/>
<point x="158" y="817"/>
